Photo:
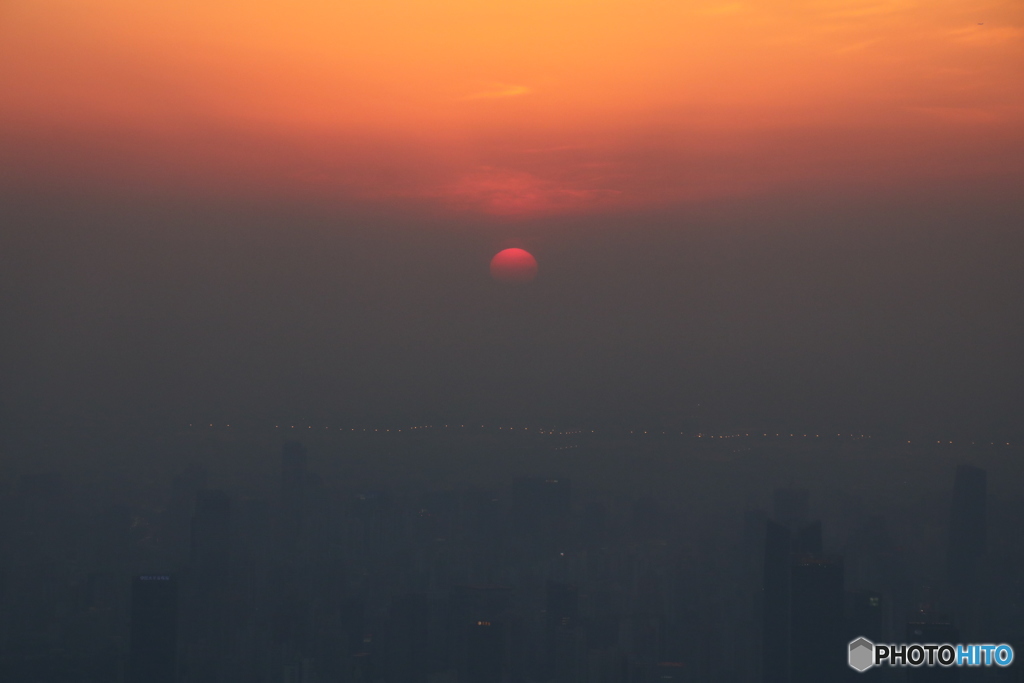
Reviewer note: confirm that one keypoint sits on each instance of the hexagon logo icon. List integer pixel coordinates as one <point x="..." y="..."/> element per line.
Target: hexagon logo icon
<point x="862" y="654"/>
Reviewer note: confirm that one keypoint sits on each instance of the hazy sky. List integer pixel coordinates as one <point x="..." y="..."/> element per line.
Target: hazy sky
<point x="512" y="107"/>
<point x="790" y="212"/>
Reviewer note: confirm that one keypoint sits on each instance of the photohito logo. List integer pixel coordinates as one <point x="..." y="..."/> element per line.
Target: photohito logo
<point x="863" y="654"/>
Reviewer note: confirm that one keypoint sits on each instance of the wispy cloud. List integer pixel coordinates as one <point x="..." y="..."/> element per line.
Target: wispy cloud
<point x="856" y="47"/>
<point x="499" y="90"/>
<point x="859" y="10"/>
<point x="982" y="34"/>
<point x="722" y="9"/>
<point x="508" y="192"/>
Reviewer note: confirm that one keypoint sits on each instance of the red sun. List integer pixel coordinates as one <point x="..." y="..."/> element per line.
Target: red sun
<point x="513" y="265"/>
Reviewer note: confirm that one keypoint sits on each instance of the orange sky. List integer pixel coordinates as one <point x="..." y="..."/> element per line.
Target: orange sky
<point x="511" y="107"/>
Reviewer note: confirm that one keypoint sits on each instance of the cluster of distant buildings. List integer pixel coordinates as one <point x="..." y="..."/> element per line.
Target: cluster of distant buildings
<point x="529" y="585"/>
<point x="809" y="617"/>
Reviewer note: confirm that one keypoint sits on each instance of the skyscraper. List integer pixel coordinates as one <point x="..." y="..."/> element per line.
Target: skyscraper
<point x="803" y="599"/>
<point x="807" y="538"/>
<point x="816" y="619"/>
<point x="791" y="506"/>
<point x="154" y="626"/>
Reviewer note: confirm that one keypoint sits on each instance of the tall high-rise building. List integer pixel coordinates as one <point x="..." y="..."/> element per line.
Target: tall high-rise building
<point x="154" y="629"/>
<point x="807" y="538"/>
<point x="816" y="619"/>
<point x="791" y="506"/>
<point x="803" y="600"/>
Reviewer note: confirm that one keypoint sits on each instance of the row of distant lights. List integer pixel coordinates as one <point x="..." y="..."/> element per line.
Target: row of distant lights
<point x="974" y="443"/>
<point x="581" y="431"/>
<point x="409" y="429"/>
<point x="737" y="436"/>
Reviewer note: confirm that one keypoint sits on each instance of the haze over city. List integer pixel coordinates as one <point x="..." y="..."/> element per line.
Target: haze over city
<point x="537" y="342"/>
